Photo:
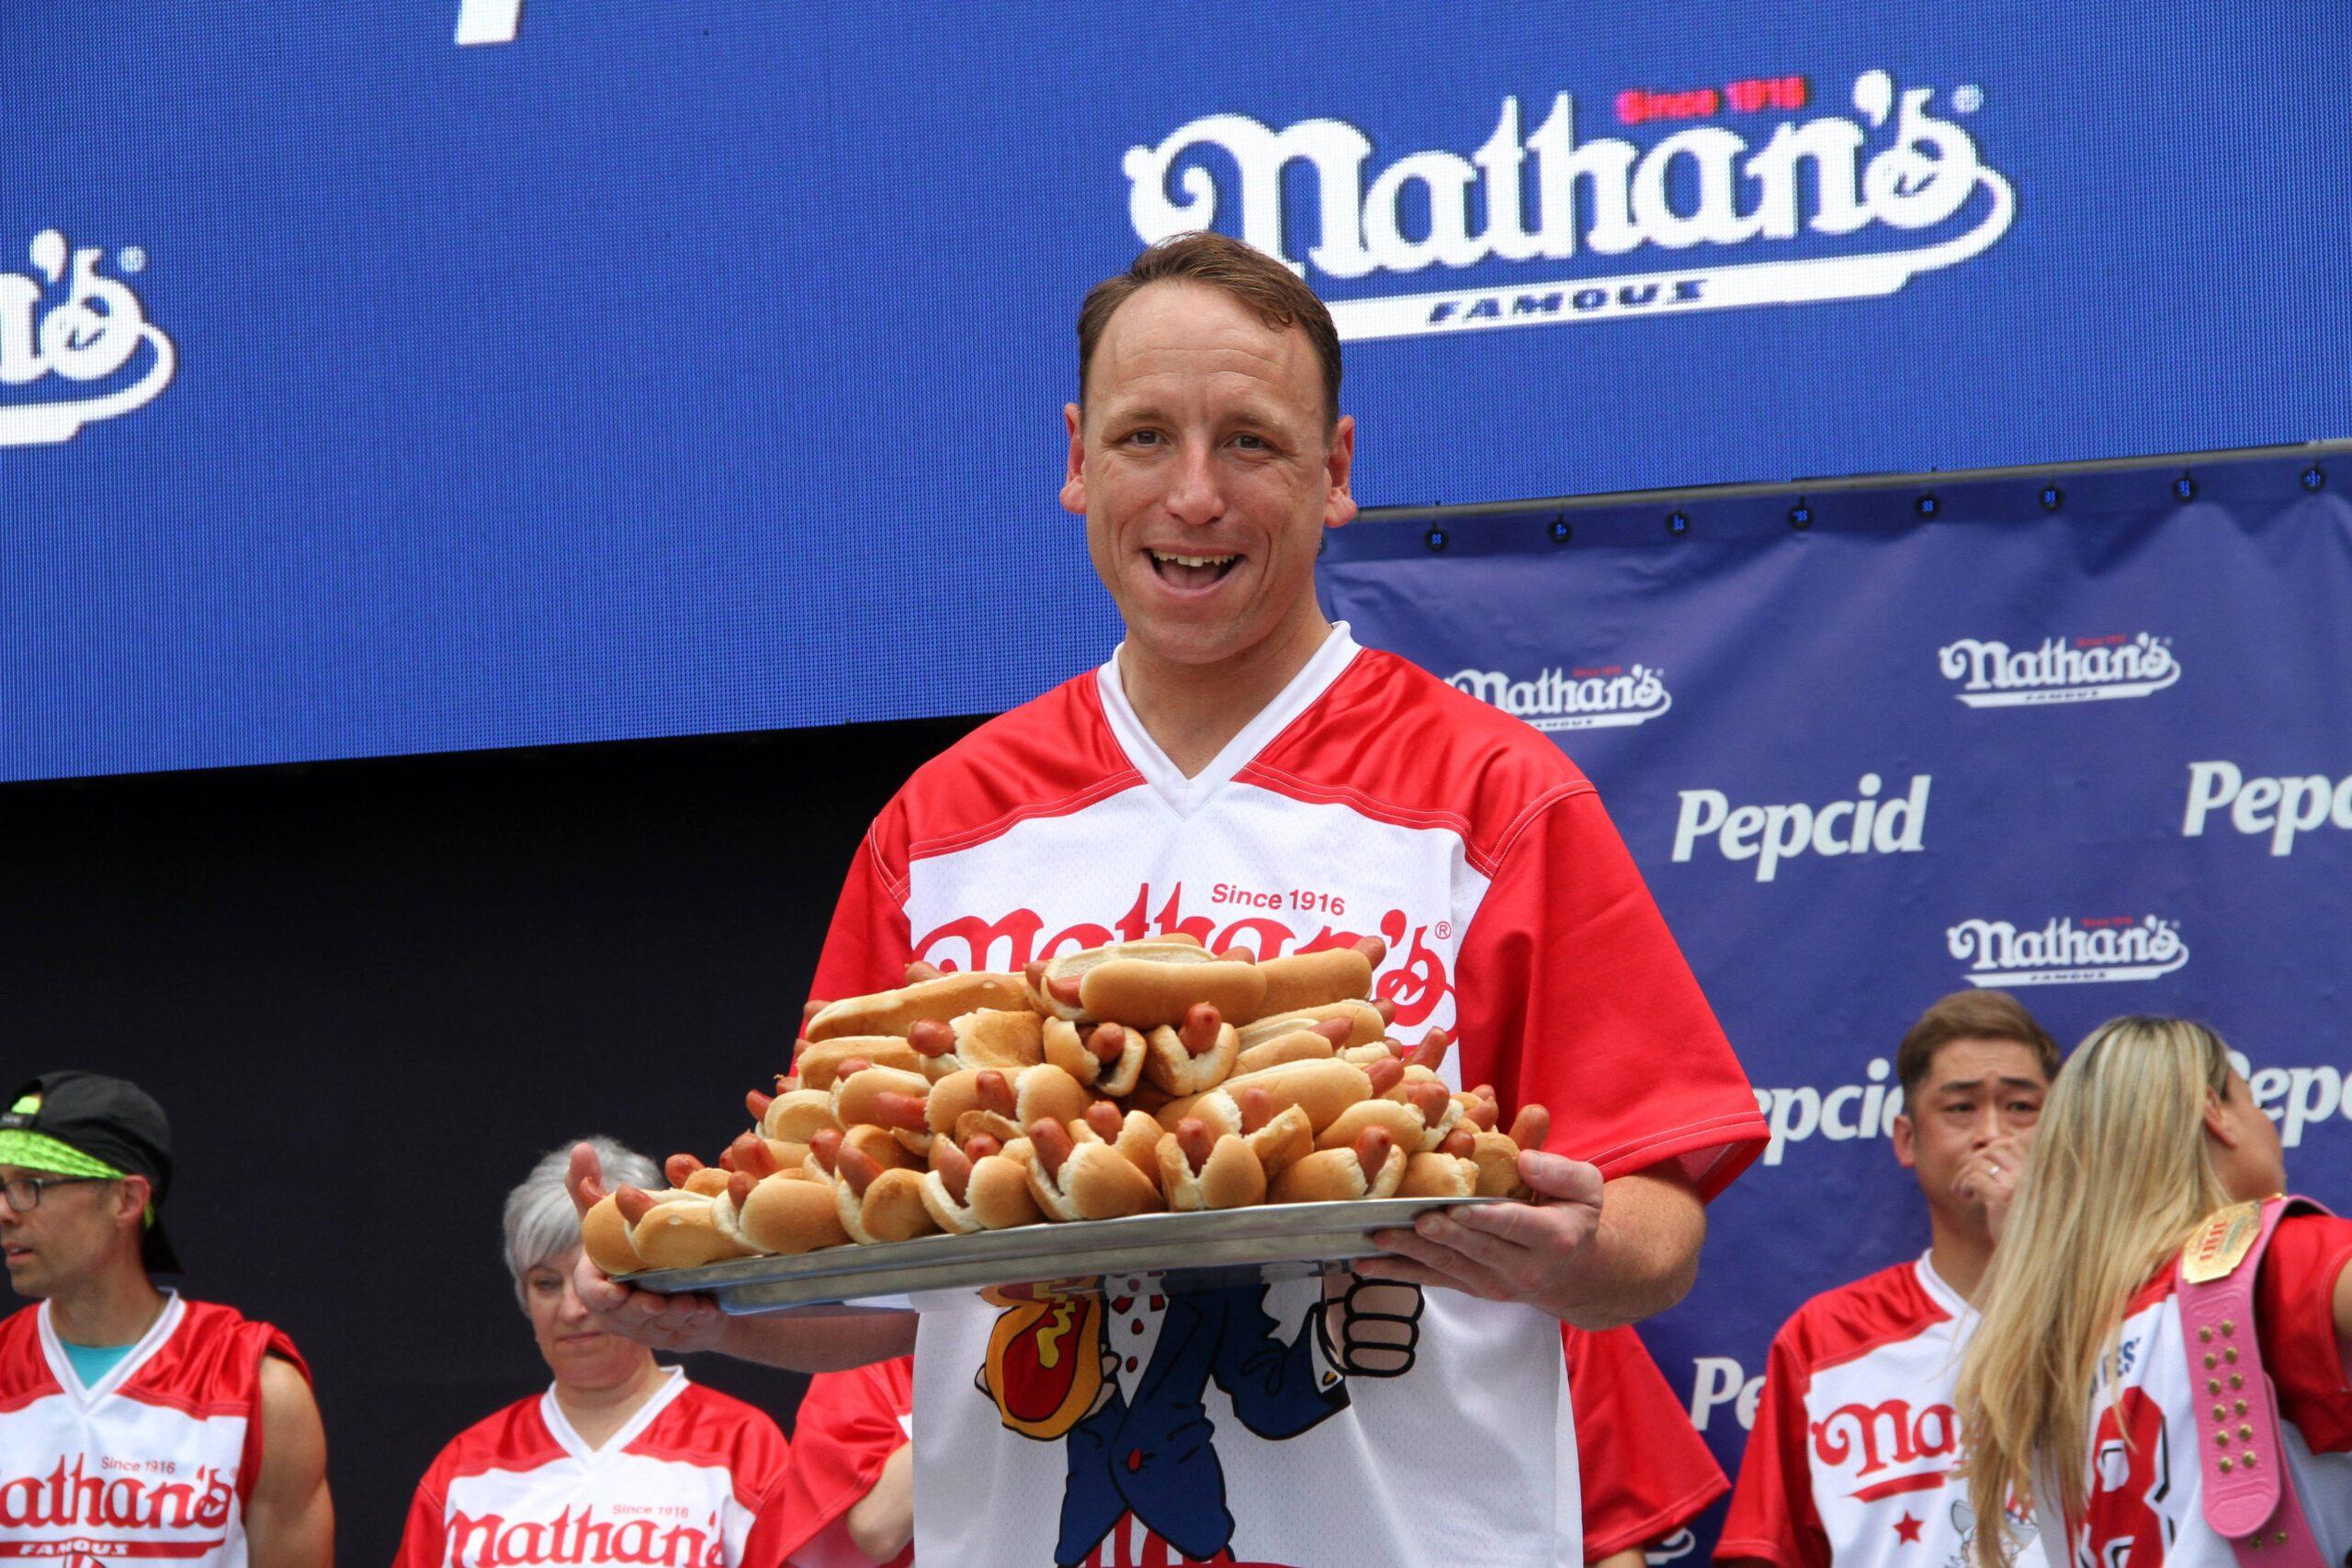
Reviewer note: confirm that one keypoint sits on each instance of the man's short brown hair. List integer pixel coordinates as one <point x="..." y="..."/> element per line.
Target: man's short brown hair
<point x="1970" y="1015"/>
<point x="1217" y="261"/>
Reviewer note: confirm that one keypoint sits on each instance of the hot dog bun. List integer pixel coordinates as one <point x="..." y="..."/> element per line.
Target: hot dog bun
<point x="1438" y="1176"/>
<point x="679" y="1231"/>
<point x="797" y="1115"/>
<point x="604" y="1236"/>
<point x="1071" y="1047"/>
<point x="1322" y="1090"/>
<point x="819" y="1061"/>
<point x="1339" y="1175"/>
<point x="1145" y="983"/>
<point x="1230" y="1175"/>
<point x="1193" y="1057"/>
<point x="1007" y="1040"/>
<point x="1318" y="980"/>
<point x="787" y="1214"/>
<point x="894" y="1013"/>
<point x="1364" y="1023"/>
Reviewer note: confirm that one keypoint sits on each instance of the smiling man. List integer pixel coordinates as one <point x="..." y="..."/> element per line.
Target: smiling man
<point x="1827" y="1478"/>
<point x="1238" y="740"/>
<point x="135" y="1423"/>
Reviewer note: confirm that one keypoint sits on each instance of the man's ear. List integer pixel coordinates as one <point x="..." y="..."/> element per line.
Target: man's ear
<point x="1339" y="465"/>
<point x="1074" y="481"/>
<point x="1901" y="1135"/>
<point x="131" y="1196"/>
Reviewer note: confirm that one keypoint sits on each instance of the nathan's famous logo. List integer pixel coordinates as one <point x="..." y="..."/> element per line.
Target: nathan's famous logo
<point x="2281" y="804"/>
<point x="1416" y="980"/>
<point x="66" y="1495"/>
<point x="493" y="1540"/>
<point x="1905" y="183"/>
<point x="78" y="351"/>
<point x="2058" y="670"/>
<point x="2064" y="952"/>
<point x="1576" y="698"/>
<point x="1770" y="834"/>
<point x="1870" y="1438"/>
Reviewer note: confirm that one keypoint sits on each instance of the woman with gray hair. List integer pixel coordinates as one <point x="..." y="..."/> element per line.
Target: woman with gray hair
<point x="620" y="1460"/>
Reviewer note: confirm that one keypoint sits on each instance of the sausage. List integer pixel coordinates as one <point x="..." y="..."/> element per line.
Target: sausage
<point x="1375" y="951"/>
<point x="980" y="1145"/>
<point x="1338" y="1031"/>
<point x="677" y="1168"/>
<point x="1064" y="988"/>
<point x="1051" y="1142"/>
<point x="930" y="1038"/>
<point x="1430" y="1098"/>
<point x="1257" y="1108"/>
<point x="905" y="1111"/>
<point x="856" y="1167"/>
<point x="1200" y="1028"/>
<point x="633" y="1202"/>
<point x="1371" y="1152"/>
<point x="1192" y="1136"/>
<point x="1430" y="1052"/>
<point x="825" y="1148"/>
<point x="1385" y="1074"/>
<point x="1531" y="1126"/>
<point x="739" y="1187"/>
<point x="1385" y="1009"/>
<point x="757" y="1105"/>
<point x="954" y="1168"/>
<point x="1458" y="1143"/>
<point x="1109" y="1043"/>
<point x="1104" y="1118"/>
<point x="920" y="971"/>
<point x="995" y="1093"/>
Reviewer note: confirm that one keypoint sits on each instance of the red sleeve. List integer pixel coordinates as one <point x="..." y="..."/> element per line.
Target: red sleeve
<point x="760" y="1464"/>
<point x="1574" y="994"/>
<point x="868" y="945"/>
<point x="847" y="1428"/>
<point x="425" y="1540"/>
<point x="1653" y="1475"/>
<point x="1772" y="1516"/>
<point x="2296" y="1304"/>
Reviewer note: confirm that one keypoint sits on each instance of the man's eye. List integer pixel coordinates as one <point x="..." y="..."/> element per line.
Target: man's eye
<point x="1250" y="443"/>
<point x="1142" y="438"/>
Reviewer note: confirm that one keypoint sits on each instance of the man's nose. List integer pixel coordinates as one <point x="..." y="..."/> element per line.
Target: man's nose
<point x="1193" y="494"/>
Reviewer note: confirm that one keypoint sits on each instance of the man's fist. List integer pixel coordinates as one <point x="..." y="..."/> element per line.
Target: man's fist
<point x="1371" y="1327"/>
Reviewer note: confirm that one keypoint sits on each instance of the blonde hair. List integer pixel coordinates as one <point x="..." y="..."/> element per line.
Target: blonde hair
<point x="2121" y="1175"/>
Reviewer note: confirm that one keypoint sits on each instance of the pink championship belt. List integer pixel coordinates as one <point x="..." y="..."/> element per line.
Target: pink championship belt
<point x="2249" y="1499"/>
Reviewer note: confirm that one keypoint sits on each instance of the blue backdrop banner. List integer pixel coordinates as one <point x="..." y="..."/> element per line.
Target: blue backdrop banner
<point x="458" y="373"/>
<point x="2085" y="741"/>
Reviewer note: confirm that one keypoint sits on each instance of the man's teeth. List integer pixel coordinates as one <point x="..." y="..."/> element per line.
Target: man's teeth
<point x="1166" y="560"/>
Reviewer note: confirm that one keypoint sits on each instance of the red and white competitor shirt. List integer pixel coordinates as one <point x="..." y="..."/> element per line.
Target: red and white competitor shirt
<point x="2144" y="1487"/>
<point x="848" y="1427"/>
<point x="1851" y="1458"/>
<point x="1644" y="1470"/>
<point x="693" y="1481"/>
<point x="1367" y="798"/>
<point x="157" y="1459"/>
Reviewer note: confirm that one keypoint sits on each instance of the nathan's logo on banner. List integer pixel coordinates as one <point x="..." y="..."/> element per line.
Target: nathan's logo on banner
<point x="78" y="351"/>
<point x="2063" y="952"/>
<point x="1907" y="184"/>
<point x="1577" y="698"/>
<point x="2058" y="670"/>
<point x="2281" y="806"/>
<point x="1770" y="834"/>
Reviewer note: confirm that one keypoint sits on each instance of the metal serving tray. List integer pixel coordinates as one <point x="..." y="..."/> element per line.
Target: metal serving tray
<point x="1191" y="1251"/>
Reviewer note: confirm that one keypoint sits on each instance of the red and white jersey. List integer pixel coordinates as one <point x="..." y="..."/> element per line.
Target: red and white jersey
<point x="1644" y="1470"/>
<point x="1367" y="798"/>
<point x="1850" y="1460"/>
<point x="848" y="1427"/>
<point x="2145" y="1489"/>
<point x="157" y="1459"/>
<point x="693" y="1481"/>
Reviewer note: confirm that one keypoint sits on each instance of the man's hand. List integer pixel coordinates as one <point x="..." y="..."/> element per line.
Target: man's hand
<point x="667" y="1322"/>
<point x="1559" y="1253"/>
<point x="1989" y="1178"/>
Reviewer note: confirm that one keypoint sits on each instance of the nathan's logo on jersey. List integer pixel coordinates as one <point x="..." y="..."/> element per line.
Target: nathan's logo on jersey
<point x="582" y="1535"/>
<point x="2282" y="806"/>
<point x="109" y="1495"/>
<point x="1417" y="978"/>
<point x="71" y="338"/>
<point x="1863" y="1439"/>
<point x="1770" y="834"/>
<point x="2058" y="670"/>
<point x="1591" y="697"/>
<point x="2064" y="952"/>
<point x="1901" y="184"/>
<point x="1838" y="1114"/>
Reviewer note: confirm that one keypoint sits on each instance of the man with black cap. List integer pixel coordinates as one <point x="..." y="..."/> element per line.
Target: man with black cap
<point x="133" y="1422"/>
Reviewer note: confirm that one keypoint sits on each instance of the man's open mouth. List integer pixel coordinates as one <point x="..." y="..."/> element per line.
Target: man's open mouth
<point x="1190" y="571"/>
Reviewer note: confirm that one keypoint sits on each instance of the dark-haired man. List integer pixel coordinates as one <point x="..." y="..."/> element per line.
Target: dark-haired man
<point x="1851" y="1459"/>
<point x="1241" y="771"/>
<point x="135" y="1423"/>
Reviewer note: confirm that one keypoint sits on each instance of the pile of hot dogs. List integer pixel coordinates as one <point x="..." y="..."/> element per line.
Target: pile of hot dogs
<point x="1125" y="1079"/>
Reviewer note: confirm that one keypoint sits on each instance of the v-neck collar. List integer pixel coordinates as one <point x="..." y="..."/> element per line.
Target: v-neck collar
<point x="560" y="1428"/>
<point x="1939" y="1289"/>
<point x="61" y="1365"/>
<point x="1185" y="796"/>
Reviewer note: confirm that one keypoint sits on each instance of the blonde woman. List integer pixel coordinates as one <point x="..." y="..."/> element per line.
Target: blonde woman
<point x="2094" y="1382"/>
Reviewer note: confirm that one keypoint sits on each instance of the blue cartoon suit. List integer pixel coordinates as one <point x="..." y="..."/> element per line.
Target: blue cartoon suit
<point x="1157" y="1456"/>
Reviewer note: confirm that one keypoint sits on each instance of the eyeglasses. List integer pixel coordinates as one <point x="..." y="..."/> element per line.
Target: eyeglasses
<point x="24" y="1191"/>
